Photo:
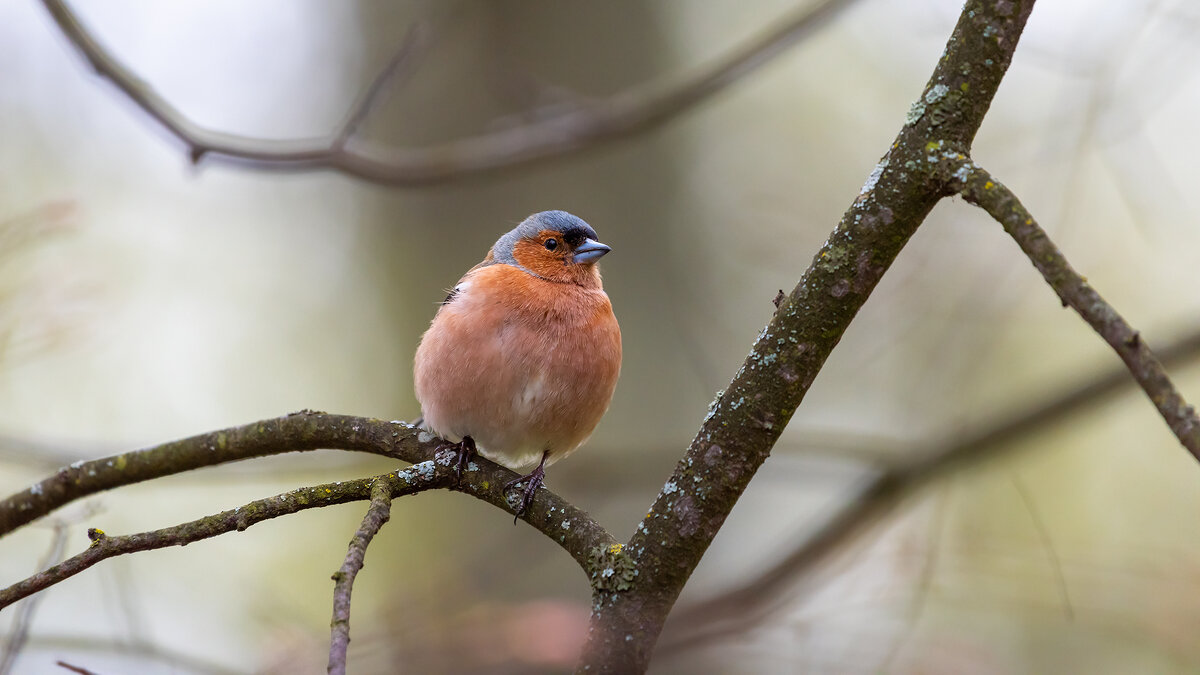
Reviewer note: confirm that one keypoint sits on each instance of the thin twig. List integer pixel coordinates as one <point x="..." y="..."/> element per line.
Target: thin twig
<point x="144" y="651"/>
<point x="978" y="187"/>
<point x="75" y="669"/>
<point x="402" y="65"/>
<point x="1047" y="544"/>
<point x="41" y="454"/>
<point x="415" y="479"/>
<point x="629" y="112"/>
<point x="20" y="631"/>
<point x="736" y="610"/>
<point x="378" y="514"/>
<point x="923" y="588"/>
<point x="1044" y="414"/>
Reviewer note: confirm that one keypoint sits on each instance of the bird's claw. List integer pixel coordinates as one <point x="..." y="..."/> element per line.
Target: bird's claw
<point x="465" y="452"/>
<point x="532" y="482"/>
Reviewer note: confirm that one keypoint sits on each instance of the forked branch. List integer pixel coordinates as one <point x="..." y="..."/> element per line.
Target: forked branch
<point x="636" y="584"/>
<point x="734" y="611"/>
<point x="626" y="113"/>
<point x="567" y="525"/>
<point x="748" y="417"/>
<point x="417" y="478"/>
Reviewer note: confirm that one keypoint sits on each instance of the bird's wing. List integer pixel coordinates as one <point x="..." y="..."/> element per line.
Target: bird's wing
<point x="487" y="261"/>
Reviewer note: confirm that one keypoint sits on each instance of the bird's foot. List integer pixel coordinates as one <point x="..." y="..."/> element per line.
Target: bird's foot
<point x="533" y="480"/>
<point x="466" y="452"/>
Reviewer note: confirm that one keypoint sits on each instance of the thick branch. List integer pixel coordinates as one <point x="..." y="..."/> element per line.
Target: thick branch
<point x="379" y="513"/>
<point x="573" y="529"/>
<point x="623" y="114"/>
<point x="748" y="417"/>
<point x="735" y="610"/>
<point x="978" y="187"/>
<point x="423" y="476"/>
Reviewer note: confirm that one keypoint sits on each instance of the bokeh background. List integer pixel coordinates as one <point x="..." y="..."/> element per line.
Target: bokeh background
<point x="143" y="299"/>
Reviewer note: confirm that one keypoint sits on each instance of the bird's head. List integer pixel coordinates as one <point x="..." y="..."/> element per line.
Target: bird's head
<point x="555" y="246"/>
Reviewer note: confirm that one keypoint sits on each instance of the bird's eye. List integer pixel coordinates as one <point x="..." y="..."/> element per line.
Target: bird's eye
<point x="551" y="244"/>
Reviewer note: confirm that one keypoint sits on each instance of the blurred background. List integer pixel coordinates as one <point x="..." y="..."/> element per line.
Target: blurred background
<point x="143" y="299"/>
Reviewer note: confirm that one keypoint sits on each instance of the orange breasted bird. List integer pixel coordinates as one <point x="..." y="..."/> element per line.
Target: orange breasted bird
<point x="521" y="360"/>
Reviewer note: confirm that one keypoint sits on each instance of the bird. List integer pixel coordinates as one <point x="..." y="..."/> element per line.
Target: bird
<point x="521" y="359"/>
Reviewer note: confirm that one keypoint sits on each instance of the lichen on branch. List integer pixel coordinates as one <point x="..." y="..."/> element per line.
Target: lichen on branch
<point x="306" y="430"/>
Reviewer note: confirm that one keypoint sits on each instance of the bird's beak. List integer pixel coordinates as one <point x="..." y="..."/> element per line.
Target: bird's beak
<point x="590" y="251"/>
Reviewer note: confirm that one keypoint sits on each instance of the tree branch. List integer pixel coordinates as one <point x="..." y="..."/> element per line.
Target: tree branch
<point x="636" y="585"/>
<point x="737" y="609"/>
<point x="567" y="525"/>
<point x="883" y="492"/>
<point x="20" y="630"/>
<point x="402" y="65"/>
<point x="75" y="669"/>
<point x="416" y="478"/>
<point x="379" y="513"/>
<point x="624" y="114"/>
<point x="296" y="432"/>
<point x="140" y="648"/>
<point x="978" y="187"/>
<point x="748" y="417"/>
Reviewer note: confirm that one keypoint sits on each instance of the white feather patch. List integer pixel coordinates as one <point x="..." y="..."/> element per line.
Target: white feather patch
<point x="530" y="396"/>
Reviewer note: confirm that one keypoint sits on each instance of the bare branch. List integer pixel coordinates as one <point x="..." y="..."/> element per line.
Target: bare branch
<point x="1047" y="544"/>
<point x="75" y="669"/>
<point x="41" y="454"/>
<point x="139" y="648"/>
<point x="567" y="525"/>
<point x="884" y="491"/>
<point x="295" y="432"/>
<point x="20" y="631"/>
<point x="636" y="584"/>
<point x="923" y="586"/>
<point x="736" y="610"/>
<point x="378" y="514"/>
<point x="626" y="113"/>
<point x="748" y="417"/>
<point x="978" y="187"/>
<point x="1043" y="414"/>
<point x="415" y="479"/>
<point x="402" y="65"/>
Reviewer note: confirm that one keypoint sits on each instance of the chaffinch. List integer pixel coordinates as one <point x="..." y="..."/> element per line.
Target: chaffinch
<point x="521" y="360"/>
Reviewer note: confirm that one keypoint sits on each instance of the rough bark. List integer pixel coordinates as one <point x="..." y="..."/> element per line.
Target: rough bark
<point x="747" y="418"/>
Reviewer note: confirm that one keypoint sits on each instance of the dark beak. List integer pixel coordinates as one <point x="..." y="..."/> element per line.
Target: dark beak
<point x="590" y="251"/>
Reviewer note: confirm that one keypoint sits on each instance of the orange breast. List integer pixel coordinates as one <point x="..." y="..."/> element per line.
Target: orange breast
<point x="520" y="364"/>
